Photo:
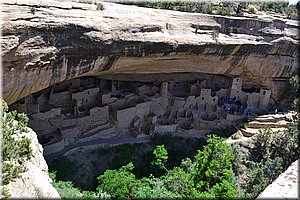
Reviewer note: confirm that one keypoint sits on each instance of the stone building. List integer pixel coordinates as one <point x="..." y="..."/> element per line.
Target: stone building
<point x="83" y="109"/>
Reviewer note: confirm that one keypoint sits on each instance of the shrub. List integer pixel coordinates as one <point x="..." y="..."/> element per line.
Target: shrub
<point x="224" y="11"/>
<point x="245" y="125"/>
<point x="269" y="145"/>
<point x="10" y="172"/>
<point x="273" y="152"/>
<point x="16" y="150"/>
<point x="67" y="190"/>
<point x="257" y="181"/>
<point x="5" y="193"/>
<point x="238" y="164"/>
<point x="118" y="183"/>
<point x="87" y="1"/>
<point x="252" y="10"/>
<point x="208" y="9"/>
<point x="178" y="181"/>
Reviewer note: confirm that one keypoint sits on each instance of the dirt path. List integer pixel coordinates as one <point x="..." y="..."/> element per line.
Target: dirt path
<point x="122" y="139"/>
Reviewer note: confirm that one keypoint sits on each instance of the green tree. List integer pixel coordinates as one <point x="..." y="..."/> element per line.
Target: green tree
<point x="154" y="188"/>
<point x="119" y="183"/>
<point x="178" y="181"/>
<point x="160" y="157"/>
<point x="67" y="190"/>
<point x="213" y="169"/>
<point x="16" y="147"/>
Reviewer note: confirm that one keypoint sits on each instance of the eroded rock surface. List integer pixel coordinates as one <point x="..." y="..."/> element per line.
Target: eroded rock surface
<point x="47" y="42"/>
<point x="35" y="182"/>
<point x="285" y="186"/>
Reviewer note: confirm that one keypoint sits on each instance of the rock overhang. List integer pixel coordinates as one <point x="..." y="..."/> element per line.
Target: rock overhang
<point x="61" y="41"/>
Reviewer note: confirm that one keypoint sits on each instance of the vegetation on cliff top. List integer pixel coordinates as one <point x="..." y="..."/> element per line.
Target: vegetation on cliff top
<point x="16" y="148"/>
<point x="221" y="8"/>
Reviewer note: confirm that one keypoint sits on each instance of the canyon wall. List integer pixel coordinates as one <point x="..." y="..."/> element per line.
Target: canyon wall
<point x="34" y="183"/>
<point x="286" y="185"/>
<point x="47" y="42"/>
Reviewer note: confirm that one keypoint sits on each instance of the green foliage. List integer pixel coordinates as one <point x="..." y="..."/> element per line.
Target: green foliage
<point x="160" y="156"/>
<point x="252" y="10"/>
<point x="66" y="168"/>
<point x="153" y="188"/>
<point x="67" y="190"/>
<point x="188" y="165"/>
<point x="5" y="193"/>
<point x="87" y="1"/>
<point x="278" y="7"/>
<point x="238" y="164"/>
<point x="272" y="153"/>
<point x="118" y="183"/>
<point x="208" y="9"/>
<point x="257" y="181"/>
<point x="224" y="8"/>
<point x="262" y="142"/>
<point x="213" y="168"/>
<point x="243" y="5"/>
<point x="210" y="175"/>
<point x="269" y="145"/>
<point x="224" y="11"/>
<point x="10" y="172"/>
<point x="245" y="125"/>
<point x="16" y="149"/>
<point x="177" y="151"/>
<point x="178" y="181"/>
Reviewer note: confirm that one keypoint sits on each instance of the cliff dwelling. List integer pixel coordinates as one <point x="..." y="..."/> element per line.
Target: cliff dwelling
<point x="106" y="84"/>
<point x="87" y="108"/>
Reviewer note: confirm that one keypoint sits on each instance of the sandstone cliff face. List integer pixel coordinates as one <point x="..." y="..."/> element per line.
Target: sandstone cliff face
<point x="35" y="182"/>
<point x="60" y="41"/>
<point x="285" y="186"/>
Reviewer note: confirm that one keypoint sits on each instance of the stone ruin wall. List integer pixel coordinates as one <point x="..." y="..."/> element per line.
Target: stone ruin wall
<point x="84" y="109"/>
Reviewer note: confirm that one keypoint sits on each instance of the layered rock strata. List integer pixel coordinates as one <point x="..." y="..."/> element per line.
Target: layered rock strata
<point x="47" y="42"/>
